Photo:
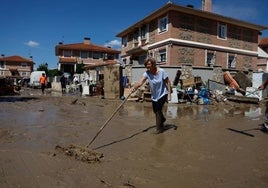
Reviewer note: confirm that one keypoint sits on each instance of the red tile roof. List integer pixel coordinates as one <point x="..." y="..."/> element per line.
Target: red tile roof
<point x="86" y="47"/>
<point x="264" y="42"/>
<point x="16" y="58"/>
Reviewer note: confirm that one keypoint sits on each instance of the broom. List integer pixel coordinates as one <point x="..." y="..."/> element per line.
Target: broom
<point x="83" y="153"/>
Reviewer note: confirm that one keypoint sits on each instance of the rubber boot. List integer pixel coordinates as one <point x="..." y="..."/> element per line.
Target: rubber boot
<point x="159" y="123"/>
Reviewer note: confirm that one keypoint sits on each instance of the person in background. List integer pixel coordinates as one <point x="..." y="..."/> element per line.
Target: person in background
<point x="63" y="84"/>
<point x="265" y="124"/>
<point x="43" y="81"/>
<point x="160" y="87"/>
<point x="75" y="80"/>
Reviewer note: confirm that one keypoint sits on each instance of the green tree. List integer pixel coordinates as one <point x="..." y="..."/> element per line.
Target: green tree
<point x="80" y="68"/>
<point x="54" y="72"/>
<point x="43" y="67"/>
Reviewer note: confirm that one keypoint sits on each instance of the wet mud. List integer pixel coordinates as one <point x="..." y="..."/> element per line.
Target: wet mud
<point x="202" y="145"/>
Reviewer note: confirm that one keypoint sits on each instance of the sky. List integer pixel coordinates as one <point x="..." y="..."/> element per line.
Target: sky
<point x="35" y="27"/>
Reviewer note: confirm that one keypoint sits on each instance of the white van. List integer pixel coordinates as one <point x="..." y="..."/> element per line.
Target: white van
<point x="34" y="78"/>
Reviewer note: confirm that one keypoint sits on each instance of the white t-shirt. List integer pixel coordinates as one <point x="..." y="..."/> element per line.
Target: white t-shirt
<point x="157" y="84"/>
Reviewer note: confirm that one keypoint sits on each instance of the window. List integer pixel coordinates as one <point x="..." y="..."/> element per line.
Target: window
<point x="67" y="53"/>
<point x="162" y="56"/>
<point x="162" y="24"/>
<point x="104" y="56"/>
<point x="124" y="42"/>
<point x="143" y="32"/>
<point x="124" y="61"/>
<point x="142" y="59"/>
<point x="210" y="58"/>
<point x="84" y="54"/>
<point x="2" y="64"/>
<point x="231" y="61"/>
<point x="222" y="31"/>
<point x="24" y="74"/>
<point x="110" y="56"/>
<point x="23" y="64"/>
<point x="96" y="55"/>
<point x="136" y="35"/>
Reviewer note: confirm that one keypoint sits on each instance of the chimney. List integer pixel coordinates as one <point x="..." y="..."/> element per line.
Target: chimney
<point x="190" y="6"/>
<point x="86" y="40"/>
<point x="207" y="5"/>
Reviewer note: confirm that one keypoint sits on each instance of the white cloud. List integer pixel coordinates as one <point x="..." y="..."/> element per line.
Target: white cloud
<point x="113" y="43"/>
<point x="32" y="44"/>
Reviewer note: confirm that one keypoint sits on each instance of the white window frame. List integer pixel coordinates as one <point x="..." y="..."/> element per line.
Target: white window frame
<point x="210" y="61"/>
<point x="222" y="31"/>
<point x="162" y="56"/>
<point x="231" y="61"/>
<point x="163" y="24"/>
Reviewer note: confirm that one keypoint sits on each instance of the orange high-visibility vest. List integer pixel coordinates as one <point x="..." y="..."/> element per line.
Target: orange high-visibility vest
<point x="43" y="79"/>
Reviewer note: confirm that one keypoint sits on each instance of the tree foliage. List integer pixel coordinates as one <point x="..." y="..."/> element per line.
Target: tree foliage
<point x="54" y="72"/>
<point x="80" y="68"/>
<point x="43" y="67"/>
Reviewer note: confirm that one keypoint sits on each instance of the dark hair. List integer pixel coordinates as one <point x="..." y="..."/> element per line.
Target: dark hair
<point x="151" y="59"/>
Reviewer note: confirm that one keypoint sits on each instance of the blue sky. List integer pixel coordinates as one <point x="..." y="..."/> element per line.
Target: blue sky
<point x="34" y="27"/>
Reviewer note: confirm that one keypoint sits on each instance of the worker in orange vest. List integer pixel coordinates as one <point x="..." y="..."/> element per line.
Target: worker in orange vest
<point x="43" y="81"/>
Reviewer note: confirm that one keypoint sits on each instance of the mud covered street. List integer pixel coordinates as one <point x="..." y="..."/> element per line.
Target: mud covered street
<point x="204" y="146"/>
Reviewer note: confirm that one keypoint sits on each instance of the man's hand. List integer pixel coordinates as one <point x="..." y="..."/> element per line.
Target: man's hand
<point x="261" y="87"/>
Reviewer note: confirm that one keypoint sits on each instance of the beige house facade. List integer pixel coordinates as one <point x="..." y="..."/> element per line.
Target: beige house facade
<point x="182" y="35"/>
<point x="15" y="66"/>
<point x="90" y="55"/>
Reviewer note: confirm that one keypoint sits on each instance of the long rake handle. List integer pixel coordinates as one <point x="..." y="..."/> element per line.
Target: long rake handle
<point x="108" y="120"/>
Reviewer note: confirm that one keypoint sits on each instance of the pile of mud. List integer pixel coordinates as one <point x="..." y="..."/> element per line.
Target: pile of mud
<point x="80" y="153"/>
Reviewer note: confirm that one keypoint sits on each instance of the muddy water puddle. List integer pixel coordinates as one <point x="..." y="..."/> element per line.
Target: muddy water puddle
<point x="39" y="108"/>
<point x="200" y="113"/>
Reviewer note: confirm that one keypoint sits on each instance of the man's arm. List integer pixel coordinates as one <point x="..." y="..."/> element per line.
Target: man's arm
<point x="264" y="84"/>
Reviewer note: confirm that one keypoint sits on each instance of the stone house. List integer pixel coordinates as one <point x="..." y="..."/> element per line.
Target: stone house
<point x="182" y="35"/>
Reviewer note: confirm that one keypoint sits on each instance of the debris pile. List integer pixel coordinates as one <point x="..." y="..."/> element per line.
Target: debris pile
<point x="7" y="87"/>
<point x="237" y="88"/>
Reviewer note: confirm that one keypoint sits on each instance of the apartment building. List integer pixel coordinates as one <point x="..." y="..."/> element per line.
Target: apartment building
<point x="86" y="53"/>
<point x="182" y="35"/>
<point x="15" y="66"/>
